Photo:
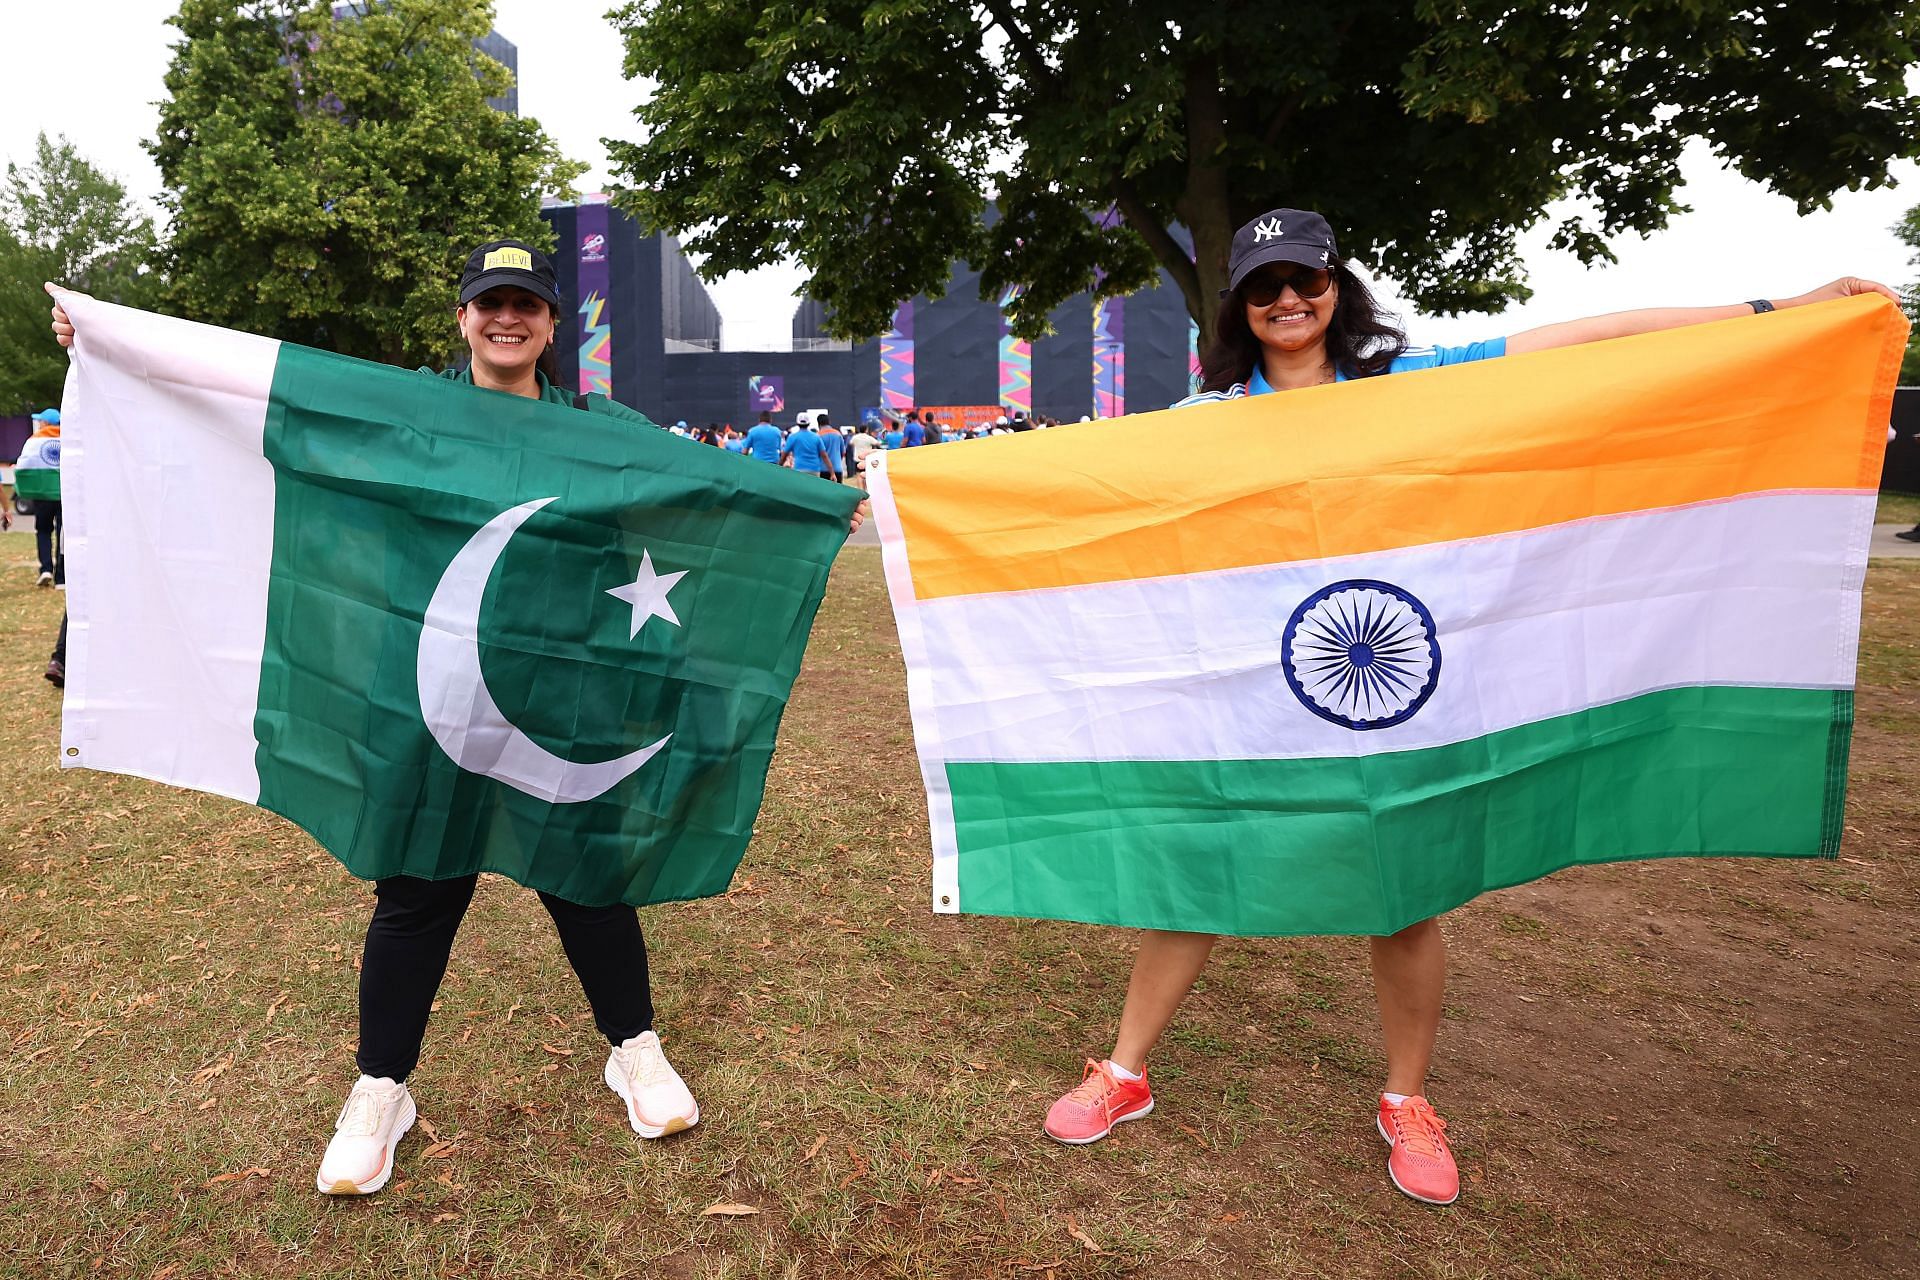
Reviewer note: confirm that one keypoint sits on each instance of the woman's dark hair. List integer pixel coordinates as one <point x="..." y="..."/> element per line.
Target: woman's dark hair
<point x="1361" y="338"/>
<point x="547" y="364"/>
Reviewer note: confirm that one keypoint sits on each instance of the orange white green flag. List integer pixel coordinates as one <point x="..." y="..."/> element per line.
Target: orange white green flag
<point x="1339" y="659"/>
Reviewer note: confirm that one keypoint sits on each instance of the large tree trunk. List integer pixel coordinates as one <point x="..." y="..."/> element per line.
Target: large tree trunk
<point x="1204" y="207"/>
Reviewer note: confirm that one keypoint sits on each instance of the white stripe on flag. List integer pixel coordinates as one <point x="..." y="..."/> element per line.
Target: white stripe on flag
<point x="921" y="690"/>
<point x="1759" y="590"/>
<point x="169" y="524"/>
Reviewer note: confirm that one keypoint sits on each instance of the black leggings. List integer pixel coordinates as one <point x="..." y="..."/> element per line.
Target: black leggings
<point x="411" y="936"/>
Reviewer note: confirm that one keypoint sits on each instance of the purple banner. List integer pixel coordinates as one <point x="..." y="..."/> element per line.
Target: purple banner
<point x="766" y="393"/>
<point x="596" y="326"/>
<point x="896" y="361"/>
<point x="1109" y="357"/>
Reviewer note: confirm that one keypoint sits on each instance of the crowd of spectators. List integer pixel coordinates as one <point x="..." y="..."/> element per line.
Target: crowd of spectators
<point x="814" y="445"/>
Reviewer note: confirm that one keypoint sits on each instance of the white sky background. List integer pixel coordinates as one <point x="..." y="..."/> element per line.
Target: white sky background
<point x="92" y="69"/>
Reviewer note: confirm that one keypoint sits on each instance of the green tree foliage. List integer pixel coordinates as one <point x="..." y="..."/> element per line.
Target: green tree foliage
<point x="1908" y="229"/>
<point x="61" y="219"/>
<point x="326" y="178"/>
<point x="862" y="136"/>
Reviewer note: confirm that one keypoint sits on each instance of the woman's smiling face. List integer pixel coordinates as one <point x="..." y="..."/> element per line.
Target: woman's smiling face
<point x="507" y="328"/>
<point x="1290" y="322"/>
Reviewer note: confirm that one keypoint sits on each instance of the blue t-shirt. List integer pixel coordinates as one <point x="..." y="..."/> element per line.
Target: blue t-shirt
<point x="807" y="455"/>
<point x="763" y="442"/>
<point x="836" y="446"/>
<point x="737" y="445"/>
<point x="1406" y="362"/>
<point x="916" y="434"/>
<point x="893" y="439"/>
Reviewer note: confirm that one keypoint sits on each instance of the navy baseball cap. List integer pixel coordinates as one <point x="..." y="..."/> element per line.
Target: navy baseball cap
<point x="499" y="262"/>
<point x="1281" y="235"/>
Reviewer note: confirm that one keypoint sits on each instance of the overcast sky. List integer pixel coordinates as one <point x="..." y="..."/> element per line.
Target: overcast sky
<point x="92" y="70"/>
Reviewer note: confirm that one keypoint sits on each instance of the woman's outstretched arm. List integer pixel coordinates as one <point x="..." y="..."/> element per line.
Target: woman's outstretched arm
<point x="1621" y="324"/>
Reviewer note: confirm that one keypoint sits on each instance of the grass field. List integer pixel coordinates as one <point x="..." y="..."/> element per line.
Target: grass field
<point x="1898" y="508"/>
<point x="1677" y="1069"/>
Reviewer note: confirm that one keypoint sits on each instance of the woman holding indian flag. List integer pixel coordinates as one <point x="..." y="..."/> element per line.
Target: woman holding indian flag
<point x="1295" y="315"/>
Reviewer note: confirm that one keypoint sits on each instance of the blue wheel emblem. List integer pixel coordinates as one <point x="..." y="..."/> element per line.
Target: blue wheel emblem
<point x="1362" y="654"/>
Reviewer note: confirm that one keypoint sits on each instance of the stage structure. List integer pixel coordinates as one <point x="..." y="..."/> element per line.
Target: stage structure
<point x="640" y="327"/>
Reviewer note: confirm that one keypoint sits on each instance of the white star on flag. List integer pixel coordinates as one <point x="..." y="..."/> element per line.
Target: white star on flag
<point x="647" y="593"/>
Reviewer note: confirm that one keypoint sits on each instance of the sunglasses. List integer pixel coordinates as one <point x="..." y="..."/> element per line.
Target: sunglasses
<point x="1263" y="290"/>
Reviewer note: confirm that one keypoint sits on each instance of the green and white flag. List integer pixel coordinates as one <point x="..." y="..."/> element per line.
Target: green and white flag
<point x="443" y="629"/>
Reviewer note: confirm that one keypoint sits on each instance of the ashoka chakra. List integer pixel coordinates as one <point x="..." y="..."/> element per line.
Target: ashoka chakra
<point x="1361" y="653"/>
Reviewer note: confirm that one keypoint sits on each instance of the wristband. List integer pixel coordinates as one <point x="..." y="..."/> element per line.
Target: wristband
<point x="1760" y="306"/>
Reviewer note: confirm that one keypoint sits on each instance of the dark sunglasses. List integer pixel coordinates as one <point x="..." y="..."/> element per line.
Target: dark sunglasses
<point x="1263" y="290"/>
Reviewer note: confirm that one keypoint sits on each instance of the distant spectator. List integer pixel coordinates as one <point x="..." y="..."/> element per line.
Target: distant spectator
<point x="859" y="448"/>
<point x="763" y="441"/>
<point x="808" y="454"/>
<point x="895" y="438"/>
<point x="833" y="444"/>
<point x="36" y="477"/>
<point x="913" y="433"/>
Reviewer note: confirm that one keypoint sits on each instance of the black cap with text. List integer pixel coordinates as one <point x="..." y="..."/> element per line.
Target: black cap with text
<point x="509" y="262"/>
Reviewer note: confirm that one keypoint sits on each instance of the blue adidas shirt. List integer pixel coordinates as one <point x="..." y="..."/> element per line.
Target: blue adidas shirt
<point x="1407" y="361"/>
<point x="763" y="442"/>
<point x="806" y="451"/>
<point x="836" y="446"/>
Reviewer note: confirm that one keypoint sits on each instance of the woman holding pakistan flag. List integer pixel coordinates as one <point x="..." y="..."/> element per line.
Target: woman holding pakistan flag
<point x="1295" y="315"/>
<point x="508" y="309"/>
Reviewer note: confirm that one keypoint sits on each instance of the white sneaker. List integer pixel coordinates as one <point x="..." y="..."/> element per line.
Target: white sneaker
<point x="45" y="579"/>
<point x="359" y="1160"/>
<point x="658" y="1100"/>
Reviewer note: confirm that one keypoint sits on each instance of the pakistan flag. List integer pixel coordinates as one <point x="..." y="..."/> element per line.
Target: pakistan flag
<point x="443" y="629"/>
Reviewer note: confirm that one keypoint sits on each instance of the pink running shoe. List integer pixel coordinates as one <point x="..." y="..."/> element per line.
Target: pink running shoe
<point x="1102" y="1100"/>
<point x="1421" y="1164"/>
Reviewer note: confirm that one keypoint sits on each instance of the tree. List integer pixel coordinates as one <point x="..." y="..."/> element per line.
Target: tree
<point x="862" y="136"/>
<point x="63" y="220"/>
<point x="1908" y="229"/>
<point x="327" y="177"/>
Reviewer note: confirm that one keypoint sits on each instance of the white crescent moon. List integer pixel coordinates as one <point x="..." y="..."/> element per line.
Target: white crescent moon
<point x="454" y="702"/>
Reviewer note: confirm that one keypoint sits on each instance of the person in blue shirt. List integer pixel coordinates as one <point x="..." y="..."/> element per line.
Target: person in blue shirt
<point x="894" y="439"/>
<point x="914" y="433"/>
<point x="763" y="440"/>
<point x="834" y="445"/>
<point x="809" y="456"/>
<point x="1293" y="315"/>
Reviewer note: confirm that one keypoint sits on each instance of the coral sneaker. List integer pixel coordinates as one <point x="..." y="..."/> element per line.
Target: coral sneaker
<point x="658" y="1100"/>
<point x="1421" y="1164"/>
<point x="1102" y="1100"/>
<point x="359" y="1160"/>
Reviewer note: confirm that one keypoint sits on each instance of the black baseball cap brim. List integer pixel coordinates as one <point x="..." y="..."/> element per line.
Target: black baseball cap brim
<point x="1305" y="255"/>
<point x="532" y="283"/>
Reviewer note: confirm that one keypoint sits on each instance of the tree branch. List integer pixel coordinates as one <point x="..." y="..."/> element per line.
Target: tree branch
<point x="1152" y="230"/>
<point x="1023" y="42"/>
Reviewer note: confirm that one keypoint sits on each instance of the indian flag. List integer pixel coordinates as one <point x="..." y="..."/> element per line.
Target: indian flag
<point x="1339" y="659"/>
<point x="36" y="474"/>
<point x="443" y="629"/>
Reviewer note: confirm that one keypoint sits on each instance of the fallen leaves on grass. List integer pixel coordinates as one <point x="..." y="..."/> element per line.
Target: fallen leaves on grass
<point x="727" y="1209"/>
<point x="859" y="1167"/>
<point x="1073" y="1229"/>
<point x="445" y="1217"/>
<point x="238" y="1175"/>
<point x="212" y="1069"/>
<point x="814" y="1150"/>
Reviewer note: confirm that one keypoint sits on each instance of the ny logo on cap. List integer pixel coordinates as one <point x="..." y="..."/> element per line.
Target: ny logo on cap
<point x="1268" y="230"/>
